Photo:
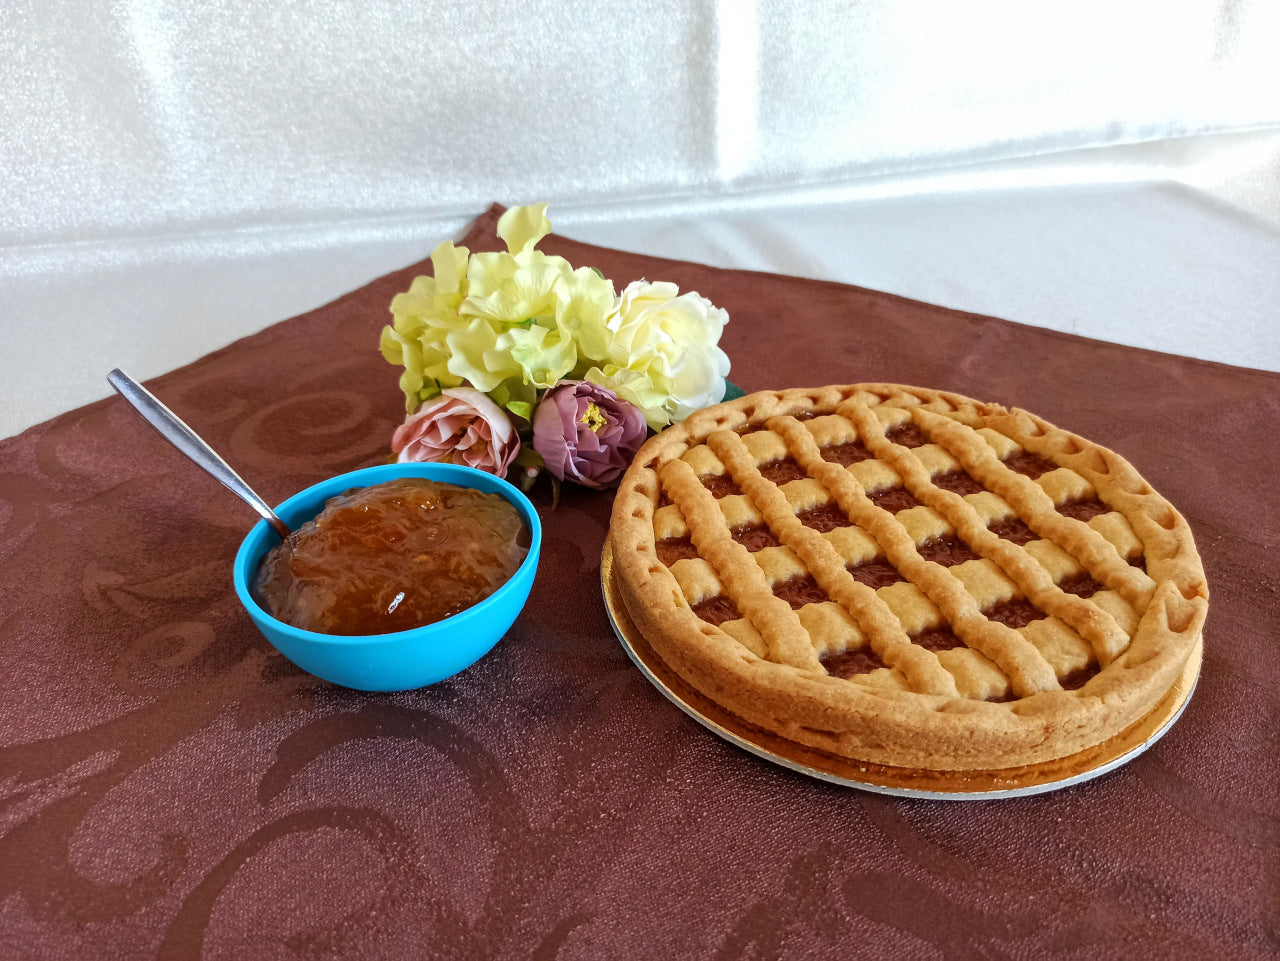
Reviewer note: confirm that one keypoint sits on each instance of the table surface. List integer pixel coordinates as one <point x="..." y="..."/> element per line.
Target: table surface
<point x="170" y="787"/>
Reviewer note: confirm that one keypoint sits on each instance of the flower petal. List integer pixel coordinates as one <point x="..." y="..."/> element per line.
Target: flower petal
<point x="523" y="227"/>
<point x="449" y="264"/>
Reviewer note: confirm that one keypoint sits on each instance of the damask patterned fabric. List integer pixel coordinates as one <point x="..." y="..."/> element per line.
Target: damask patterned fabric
<point x="170" y="787"/>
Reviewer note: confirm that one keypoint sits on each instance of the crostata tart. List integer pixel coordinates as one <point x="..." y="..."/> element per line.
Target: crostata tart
<point x="906" y="576"/>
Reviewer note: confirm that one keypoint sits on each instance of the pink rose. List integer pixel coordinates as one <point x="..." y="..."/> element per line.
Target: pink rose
<point x="586" y="433"/>
<point x="461" y="426"/>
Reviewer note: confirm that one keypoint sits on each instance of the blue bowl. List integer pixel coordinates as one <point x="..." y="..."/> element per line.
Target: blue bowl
<point x="403" y="660"/>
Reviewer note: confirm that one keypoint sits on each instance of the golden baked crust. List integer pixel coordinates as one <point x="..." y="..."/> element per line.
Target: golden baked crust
<point x="907" y="576"/>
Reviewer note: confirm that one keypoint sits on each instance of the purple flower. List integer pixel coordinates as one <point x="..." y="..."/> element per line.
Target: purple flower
<point x="586" y="433"/>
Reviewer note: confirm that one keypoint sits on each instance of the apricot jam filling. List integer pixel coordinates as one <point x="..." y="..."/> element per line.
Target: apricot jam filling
<point x="391" y="557"/>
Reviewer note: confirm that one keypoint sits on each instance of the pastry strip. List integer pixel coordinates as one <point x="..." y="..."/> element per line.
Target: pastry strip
<point x="884" y="631"/>
<point x="745" y="584"/>
<point x="1096" y="626"/>
<point x="1036" y="508"/>
<point x="1019" y="659"/>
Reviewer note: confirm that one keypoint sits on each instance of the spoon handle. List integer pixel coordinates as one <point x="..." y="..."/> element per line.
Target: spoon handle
<point x="190" y="443"/>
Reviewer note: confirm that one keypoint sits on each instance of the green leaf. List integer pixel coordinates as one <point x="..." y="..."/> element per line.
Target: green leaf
<point x="732" y="391"/>
<point x="505" y="397"/>
<point x="528" y="457"/>
<point x="599" y="273"/>
<point x="502" y="396"/>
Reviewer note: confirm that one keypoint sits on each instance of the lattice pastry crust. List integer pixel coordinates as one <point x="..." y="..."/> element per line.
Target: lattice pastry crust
<point x="907" y="576"/>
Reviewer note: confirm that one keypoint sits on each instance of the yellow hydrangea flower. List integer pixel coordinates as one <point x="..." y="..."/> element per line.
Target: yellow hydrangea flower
<point x="515" y="322"/>
<point x="530" y="302"/>
<point x="510" y="288"/>
<point x="422" y="318"/>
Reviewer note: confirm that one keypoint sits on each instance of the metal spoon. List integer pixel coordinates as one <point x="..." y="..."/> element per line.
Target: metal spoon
<point x="190" y="443"/>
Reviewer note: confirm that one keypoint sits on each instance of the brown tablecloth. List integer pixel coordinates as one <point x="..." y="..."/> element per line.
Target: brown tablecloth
<point x="170" y="787"/>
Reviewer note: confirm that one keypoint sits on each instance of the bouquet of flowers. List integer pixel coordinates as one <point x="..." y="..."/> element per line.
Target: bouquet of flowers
<point x="517" y="360"/>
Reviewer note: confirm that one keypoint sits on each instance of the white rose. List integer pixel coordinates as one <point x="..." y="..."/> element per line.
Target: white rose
<point x="659" y="350"/>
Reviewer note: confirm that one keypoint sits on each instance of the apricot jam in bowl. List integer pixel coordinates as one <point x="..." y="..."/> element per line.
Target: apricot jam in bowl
<point x="375" y="553"/>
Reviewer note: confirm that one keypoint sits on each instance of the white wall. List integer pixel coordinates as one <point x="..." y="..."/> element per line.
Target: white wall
<point x="144" y="118"/>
